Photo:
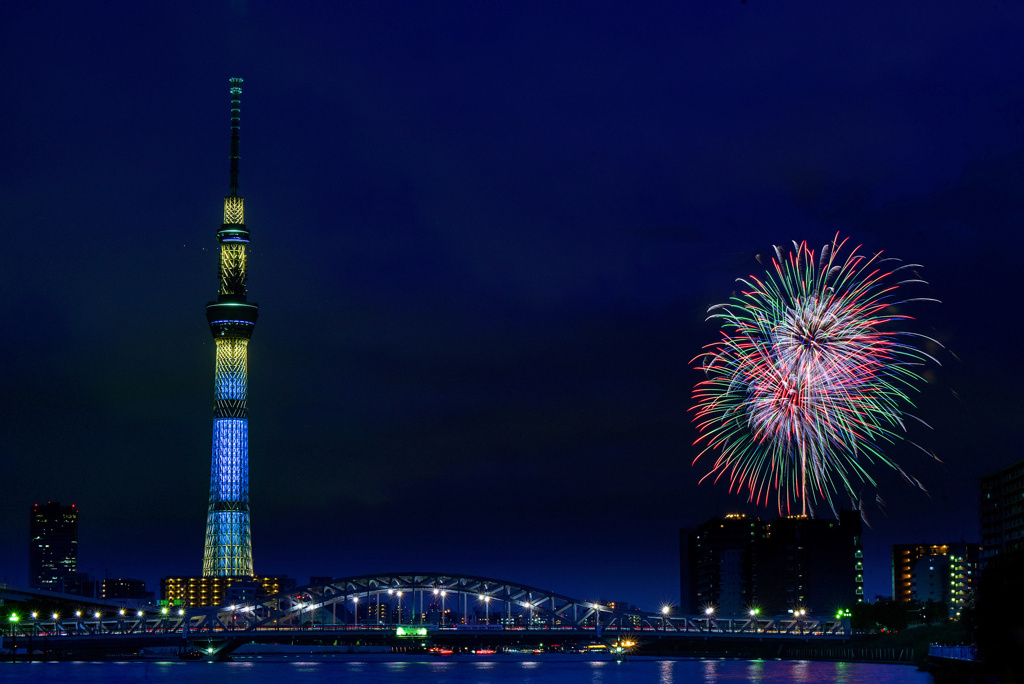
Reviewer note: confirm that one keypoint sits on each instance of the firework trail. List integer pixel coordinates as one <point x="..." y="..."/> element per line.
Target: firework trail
<point x="810" y="377"/>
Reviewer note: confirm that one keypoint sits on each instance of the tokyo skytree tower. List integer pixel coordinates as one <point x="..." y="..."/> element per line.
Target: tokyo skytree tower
<point x="228" y="549"/>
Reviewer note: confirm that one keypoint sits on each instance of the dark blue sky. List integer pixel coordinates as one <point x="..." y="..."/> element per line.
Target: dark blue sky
<point x="484" y="239"/>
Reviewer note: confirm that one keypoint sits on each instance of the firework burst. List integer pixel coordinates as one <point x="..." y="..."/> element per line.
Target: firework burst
<point x="810" y="377"/>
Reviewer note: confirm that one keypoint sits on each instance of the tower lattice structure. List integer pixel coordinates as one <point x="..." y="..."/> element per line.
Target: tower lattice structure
<point x="228" y="549"/>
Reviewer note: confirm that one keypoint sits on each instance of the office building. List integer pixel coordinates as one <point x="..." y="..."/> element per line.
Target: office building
<point x="124" y="588"/>
<point x="53" y="547"/>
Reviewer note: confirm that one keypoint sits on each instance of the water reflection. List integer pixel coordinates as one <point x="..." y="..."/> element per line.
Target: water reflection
<point x="666" y="674"/>
<point x="800" y="671"/>
<point x="537" y="670"/>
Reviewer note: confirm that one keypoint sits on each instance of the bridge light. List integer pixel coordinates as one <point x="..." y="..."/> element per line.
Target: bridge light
<point x="55" y="616"/>
<point x="436" y="591"/>
<point x="709" y="611"/>
<point x="78" y="613"/>
<point x="664" y="609"/>
<point x="443" y="593"/>
<point x="391" y="592"/>
<point x="96" y="615"/>
<point x="35" y="615"/>
<point x="121" y="612"/>
<point x="14" y="617"/>
<point x="181" y="611"/>
<point x="163" y="611"/>
<point x="140" y="613"/>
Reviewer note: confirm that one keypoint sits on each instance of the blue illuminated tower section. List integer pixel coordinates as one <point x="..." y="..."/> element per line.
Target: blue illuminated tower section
<point x="228" y="549"/>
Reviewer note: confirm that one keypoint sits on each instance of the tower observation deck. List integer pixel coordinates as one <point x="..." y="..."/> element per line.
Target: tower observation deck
<point x="228" y="550"/>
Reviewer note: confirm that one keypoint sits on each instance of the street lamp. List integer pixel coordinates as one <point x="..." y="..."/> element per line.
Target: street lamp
<point x="665" y="610"/>
<point x="487" y="608"/>
<point x="355" y="609"/>
<point x="799" y="614"/>
<point x="530" y="606"/>
<point x="444" y="592"/>
<point x="397" y="593"/>
<point x="14" y="621"/>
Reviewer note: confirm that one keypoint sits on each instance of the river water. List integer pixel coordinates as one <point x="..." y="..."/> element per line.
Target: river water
<point x="549" y="669"/>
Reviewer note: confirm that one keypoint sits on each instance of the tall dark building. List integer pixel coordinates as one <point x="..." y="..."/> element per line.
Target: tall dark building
<point x="124" y="588"/>
<point x="228" y="551"/>
<point x="721" y="562"/>
<point x="738" y="563"/>
<point x="811" y="563"/>
<point x="1002" y="512"/>
<point x="53" y="547"/>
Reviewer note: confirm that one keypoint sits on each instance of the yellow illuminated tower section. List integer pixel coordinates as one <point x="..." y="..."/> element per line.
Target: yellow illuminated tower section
<point x="228" y="551"/>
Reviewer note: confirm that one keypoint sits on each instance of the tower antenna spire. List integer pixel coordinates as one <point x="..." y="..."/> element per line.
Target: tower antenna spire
<point x="236" y="115"/>
<point x="228" y="550"/>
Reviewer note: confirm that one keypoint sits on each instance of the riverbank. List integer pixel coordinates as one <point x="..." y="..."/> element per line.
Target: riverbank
<point x="908" y="646"/>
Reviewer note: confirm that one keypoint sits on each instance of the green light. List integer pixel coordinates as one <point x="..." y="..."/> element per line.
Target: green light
<point x="410" y="631"/>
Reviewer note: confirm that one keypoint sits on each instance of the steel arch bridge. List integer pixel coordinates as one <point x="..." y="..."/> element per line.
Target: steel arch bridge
<point x="501" y="602"/>
<point x="510" y="611"/>
<point x="505" y="605"/>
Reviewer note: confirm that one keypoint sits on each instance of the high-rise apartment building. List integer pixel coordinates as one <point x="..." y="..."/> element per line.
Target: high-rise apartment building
<point x="53" y="547"/>
<point x="936" y="572"/>
<point x="721" y="558"/>
<point x="739" y="563"/>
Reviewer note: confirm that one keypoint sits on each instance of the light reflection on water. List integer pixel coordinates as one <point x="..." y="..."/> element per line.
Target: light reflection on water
<point x="537" y="670"/>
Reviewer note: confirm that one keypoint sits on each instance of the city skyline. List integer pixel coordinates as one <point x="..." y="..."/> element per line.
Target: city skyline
<point x="487" y="245"/>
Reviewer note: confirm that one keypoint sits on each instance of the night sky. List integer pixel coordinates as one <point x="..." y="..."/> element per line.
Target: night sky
<point x="484" y="240"/>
